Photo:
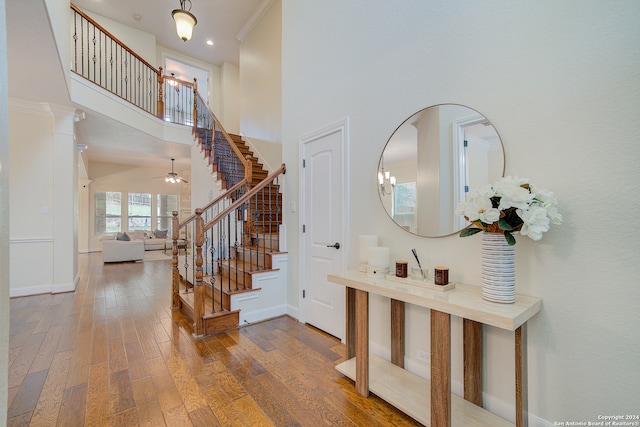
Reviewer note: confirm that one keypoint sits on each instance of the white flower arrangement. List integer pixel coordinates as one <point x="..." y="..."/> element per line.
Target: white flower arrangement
<point x="510" y="205"/>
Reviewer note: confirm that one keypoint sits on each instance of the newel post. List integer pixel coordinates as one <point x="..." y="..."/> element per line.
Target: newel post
<point x="175" y="274"/>
<point x="198" y="289"/>
<point x="160" y="94"/>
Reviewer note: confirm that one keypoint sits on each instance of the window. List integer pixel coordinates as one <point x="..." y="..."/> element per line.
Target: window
<point x="139" y="211"/>
<point x="108" y="212"/>
<point x="166" y="204"/>
<point x="404" y="205"/>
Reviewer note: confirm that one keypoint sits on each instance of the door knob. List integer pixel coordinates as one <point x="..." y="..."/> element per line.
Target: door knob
<point x="335" y="245"/>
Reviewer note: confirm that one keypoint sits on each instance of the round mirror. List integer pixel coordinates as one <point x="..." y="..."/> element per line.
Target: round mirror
<point x="431" y="161"/>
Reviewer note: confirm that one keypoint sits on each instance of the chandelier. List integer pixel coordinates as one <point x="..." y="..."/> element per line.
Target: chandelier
<point x="386" y="181"/>
<point x="185" y="20"/>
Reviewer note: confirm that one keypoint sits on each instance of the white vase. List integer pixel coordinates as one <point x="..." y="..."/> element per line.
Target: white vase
<point x="498" y="269"/>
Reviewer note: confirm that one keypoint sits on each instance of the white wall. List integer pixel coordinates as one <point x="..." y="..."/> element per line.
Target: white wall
<point x="261" y="79"/>
<point x="559" y="80"/>
<point x="230" y="97"/>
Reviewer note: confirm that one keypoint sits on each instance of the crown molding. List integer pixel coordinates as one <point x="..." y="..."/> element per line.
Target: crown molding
<point x="253" y="20"/>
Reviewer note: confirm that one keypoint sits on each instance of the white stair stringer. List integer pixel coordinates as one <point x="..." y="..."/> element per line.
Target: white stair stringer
<point x="270" y="300"/>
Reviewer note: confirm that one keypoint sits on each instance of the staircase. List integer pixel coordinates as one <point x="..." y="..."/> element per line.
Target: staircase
<point x="242" y="271"/>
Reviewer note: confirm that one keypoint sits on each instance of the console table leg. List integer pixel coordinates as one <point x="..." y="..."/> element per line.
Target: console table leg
<point x="350" y="332"/>
<point x="362" y="342"/>
<point x="472" y="349"/>
<point x="397" y="333"/>
<point x="522" y="410"/>
<point x="440" y="368"/>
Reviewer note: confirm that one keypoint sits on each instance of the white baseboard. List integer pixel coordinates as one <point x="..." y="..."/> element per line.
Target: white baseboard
<point x="45" y="289"/>
<point x="30" y="290"/>
<point x="293" y="312"/>
<point x="261" y="315"/>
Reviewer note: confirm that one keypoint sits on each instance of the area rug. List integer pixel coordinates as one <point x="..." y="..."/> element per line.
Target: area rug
<point x="156" y="256"/>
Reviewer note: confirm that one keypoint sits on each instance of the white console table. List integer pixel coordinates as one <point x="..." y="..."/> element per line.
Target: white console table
<point x="432" y="403"/>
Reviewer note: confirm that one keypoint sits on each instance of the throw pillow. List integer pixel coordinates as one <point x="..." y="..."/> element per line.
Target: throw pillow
<point x="138" y="235"/>
<point x="124" y="237"/>
<point x="160" y="234"/>
<point x="107" y="236"/>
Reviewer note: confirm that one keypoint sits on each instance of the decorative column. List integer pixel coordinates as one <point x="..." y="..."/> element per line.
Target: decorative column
<point x="65" y="199"/>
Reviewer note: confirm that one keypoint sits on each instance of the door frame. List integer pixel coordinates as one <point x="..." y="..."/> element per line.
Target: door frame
<point x="342" y="127"/>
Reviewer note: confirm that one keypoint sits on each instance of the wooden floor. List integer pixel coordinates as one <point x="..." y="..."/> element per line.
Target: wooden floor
<point x="114" y="354"/>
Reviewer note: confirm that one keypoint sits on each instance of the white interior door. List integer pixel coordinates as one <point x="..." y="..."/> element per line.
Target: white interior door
<point x="324" y="213"/>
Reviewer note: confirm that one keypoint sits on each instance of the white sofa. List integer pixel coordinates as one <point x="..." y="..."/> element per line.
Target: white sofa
<point x="122" y="250"/>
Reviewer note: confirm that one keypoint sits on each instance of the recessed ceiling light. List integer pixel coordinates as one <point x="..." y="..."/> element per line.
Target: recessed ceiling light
<point x="137" y="17"/>
<point x="210" y="42"/>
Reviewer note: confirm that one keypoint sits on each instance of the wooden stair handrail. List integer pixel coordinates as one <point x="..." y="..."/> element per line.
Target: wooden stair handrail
<point x="268" y="180"/>
<point x="191" y="217"/>
<point x="236" y="150"/>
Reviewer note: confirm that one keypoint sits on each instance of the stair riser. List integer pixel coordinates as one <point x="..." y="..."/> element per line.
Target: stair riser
<point x="242" y="279"/>
<point x="253" y="259"/>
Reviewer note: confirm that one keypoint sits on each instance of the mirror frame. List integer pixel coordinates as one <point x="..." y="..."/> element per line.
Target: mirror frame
<point x="457" y="156"/>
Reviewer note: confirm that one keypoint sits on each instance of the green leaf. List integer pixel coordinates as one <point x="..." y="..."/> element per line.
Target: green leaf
<point x="502" y="223"/>
<point x="469" y="232"/>
<point x="510" y="239"/>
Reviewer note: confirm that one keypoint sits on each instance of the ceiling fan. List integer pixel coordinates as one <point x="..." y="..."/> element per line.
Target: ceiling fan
<point x="172" y="177"/>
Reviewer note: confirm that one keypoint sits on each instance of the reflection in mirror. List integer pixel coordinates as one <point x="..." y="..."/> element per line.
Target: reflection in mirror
<point x="431" y="161"/>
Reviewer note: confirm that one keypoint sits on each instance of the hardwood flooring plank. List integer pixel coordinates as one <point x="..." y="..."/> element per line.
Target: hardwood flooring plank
<point x="136" y="361"/>
<point x="47" y="349"/>
<point x="147" y="341"/>
<point x="50" y="400"/>
<point x="167" y="393"/>
<point x="186" y="385"/>
<point x="204" y="417"/>
<point x="79" y="369"/>
<point x="13" y="355"/>
<point x="21" y="333"/>
<point x="149" y="410"/>
<point x="128" y="418"/>
<point x="12" y="392"/>
<point x="293" y="402"/>
<point x="73" y="407"/>
<point x="98" y="411"/>
<point x="117" y="355"/>
<point x="113" y="324"/>
<point x="99" y="343"/>
<point x="69" y="333"/>
<point x="177" y="417"/>
<point x="120" y="392"/>
<point x="252" y="413"/>
<point x="19" y="421"/>
<point x="27" y="397"/>
<point x="22" y="364"/>
<point x="129" y="331"/>
<point x="267" y="400"/>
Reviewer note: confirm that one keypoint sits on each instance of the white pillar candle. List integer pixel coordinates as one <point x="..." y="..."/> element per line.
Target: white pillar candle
<point x="366" y="242"/>
<point x="378" y="261"/>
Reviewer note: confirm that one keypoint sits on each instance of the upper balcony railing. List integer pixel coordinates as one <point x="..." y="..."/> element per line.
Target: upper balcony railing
<point x="100" y="57"/>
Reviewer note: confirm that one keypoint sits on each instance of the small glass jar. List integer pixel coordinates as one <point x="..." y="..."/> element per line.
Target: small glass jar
<point x="401" y="268"/>
<point x="441" y="275"/>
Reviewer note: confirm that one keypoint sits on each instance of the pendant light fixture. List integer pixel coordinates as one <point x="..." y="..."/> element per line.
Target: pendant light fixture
<point x="185" y="20"/>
